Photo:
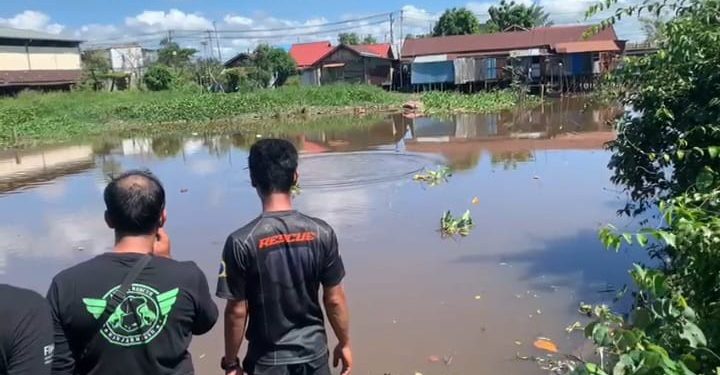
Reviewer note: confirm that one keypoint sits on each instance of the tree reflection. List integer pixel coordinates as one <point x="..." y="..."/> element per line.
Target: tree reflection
<point x="511" y="159"/>
<point x="166" y="146"/>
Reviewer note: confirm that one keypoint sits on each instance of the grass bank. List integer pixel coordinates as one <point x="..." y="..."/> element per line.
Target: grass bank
<point x="34" y="118"/>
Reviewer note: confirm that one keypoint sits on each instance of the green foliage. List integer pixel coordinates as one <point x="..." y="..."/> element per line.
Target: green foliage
<point x="349" y="39"/>
<point x="668" y="149"/>
<point x="457" y="21"/>
<point x="666" y="157"/>
<point x="352" y="39"/>
<point x="271" y="62"/>
<point x="95" y="66"/>
<point x="172" y="55"/>
<point x="652" y="28"/>
<point x="508" y="15"/>
<point x="451" y="102"/>
<point x="158" y="78"/>
<point x="433" y="178"/>
<point x="451" y="226"/>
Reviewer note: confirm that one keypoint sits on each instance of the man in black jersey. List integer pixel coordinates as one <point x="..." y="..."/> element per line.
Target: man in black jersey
<point x="26" y="334"/>
<point x="272" y="270"/>
<point x="102" y="328"/>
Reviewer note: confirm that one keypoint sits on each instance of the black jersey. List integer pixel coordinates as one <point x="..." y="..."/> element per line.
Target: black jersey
<point x="277" y="263"/>
<point x="26" y="334"/>
<point x="150" y="330"/>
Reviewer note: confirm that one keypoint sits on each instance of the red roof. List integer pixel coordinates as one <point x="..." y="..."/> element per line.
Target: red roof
<point x="500" y="42"/>
<point x="380" y="50"/>
<point x="306" y="54"/>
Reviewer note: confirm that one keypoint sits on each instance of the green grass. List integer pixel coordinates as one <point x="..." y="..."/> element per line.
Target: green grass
<point x="34" y="118"/>
<point x="437" y="102"/>
<point x="53" y="117"/>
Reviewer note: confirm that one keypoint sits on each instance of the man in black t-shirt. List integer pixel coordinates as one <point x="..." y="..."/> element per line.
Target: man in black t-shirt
<point x="272" y="269"/>
<point x="149" y="330"/>
<point x="26" y="334"/>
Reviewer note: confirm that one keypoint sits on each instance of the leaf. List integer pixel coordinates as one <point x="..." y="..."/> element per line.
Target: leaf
<point x="713" y="151"/>
<point x="641" y="239"/>
<point x="693" y="335"/>
<point x="628" y="238"/>
<point x="668" y="237"/>
<point x="545" y="344"/>
<point x="601" y="335"/>
<point x="680" y="155"/>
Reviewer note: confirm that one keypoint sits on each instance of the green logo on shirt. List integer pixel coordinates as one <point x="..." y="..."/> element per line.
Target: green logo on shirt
<point x="138" y="319"/>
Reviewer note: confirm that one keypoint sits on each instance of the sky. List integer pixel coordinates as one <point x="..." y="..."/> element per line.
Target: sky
<point x="102" y="22"/>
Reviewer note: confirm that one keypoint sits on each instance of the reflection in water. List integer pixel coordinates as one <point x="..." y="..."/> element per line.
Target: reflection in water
<point x="535" y="237"/>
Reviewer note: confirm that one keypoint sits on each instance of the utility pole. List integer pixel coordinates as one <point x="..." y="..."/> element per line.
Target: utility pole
<point x="392" y="34"/>
<point x="402" y="20"/>
<point x="217" y="40"/>
<point x="210" y="42"/>
<point x="170" y="36"/>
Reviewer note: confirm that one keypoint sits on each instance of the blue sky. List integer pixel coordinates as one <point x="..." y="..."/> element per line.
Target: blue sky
<point x="102" y="21"/>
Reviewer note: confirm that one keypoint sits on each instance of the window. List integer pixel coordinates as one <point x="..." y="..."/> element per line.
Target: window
<point x="491" y="68"/>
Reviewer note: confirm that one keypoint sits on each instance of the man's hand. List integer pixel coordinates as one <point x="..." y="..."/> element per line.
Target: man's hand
<point x="343" y="353"/>
<point x="161" y="247"/>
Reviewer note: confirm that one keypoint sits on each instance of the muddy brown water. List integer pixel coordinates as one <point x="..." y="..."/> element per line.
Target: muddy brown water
<point x="543" y="189"/>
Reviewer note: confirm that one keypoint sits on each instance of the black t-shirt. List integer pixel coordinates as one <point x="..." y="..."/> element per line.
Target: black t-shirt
<point x="150" y="330"/>
<point x="277" y="263"/>
<point x="26" y="335"/>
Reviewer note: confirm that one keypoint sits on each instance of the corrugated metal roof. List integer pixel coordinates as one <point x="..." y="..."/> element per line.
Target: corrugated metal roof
<point x="380" y="50"/>
<point x="307" y="54"/>
<point x="9" y="33"/>
<point x="588" y="46"/>
<point x="39" y="77"/>
<point x="539" y="37"/>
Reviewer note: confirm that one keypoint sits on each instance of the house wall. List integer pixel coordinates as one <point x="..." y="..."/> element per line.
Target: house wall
<point x="356" y="69"/>
<point x="126" y="59"/>
<point x="14" y="58"/>
<point x="310" y="77"/>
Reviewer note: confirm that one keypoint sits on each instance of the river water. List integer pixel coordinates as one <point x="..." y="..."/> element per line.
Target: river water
<point x="474" y="303"/>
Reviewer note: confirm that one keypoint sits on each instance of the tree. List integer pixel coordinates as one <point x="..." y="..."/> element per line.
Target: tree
<point x="667" y="158"/>
<point x="653" y="28"/>
<point x="96" y="66"/>
<point x="457" y="21"/>
<point x="174" y="56"/>
<point x="349" y="39"/>
<point x="158" y="78"/>
<point x="508" y="15"/>
<point x="274" y="61"/>
<point x="369" y="39"/>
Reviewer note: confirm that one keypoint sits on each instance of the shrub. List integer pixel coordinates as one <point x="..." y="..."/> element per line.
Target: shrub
<point x="158" y="78"/>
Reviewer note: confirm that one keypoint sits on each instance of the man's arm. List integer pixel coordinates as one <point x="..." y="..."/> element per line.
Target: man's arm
<point x="206" y="310"/>
<point x="63" y="361"/>
<point x="339" y="316"/>
<point x="235" y="322"/>
<point x="32" y="347"/>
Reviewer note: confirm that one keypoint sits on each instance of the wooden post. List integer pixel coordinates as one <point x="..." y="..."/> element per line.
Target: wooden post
<point x="542" y="92"/>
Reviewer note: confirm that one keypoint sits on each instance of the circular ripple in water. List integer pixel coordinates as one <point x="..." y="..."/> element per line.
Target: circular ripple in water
<point x="359" y="168"/>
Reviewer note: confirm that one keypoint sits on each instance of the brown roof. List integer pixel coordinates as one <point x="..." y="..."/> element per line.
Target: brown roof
<point x="539" y="37"/>
<point x="38" y="77"/>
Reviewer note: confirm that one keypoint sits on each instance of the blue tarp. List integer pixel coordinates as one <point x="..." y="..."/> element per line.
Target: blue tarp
<point x="432" y="72"/>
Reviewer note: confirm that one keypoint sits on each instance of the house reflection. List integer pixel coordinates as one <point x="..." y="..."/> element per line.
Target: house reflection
<point x="23" y="169"/>
<point x="511" y="136"/>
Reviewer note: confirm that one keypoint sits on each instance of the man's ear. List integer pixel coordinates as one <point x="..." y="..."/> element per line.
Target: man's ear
<point x="296" y="178"/>
<point x="108" y="221"/>
<point x="163" y="218"/>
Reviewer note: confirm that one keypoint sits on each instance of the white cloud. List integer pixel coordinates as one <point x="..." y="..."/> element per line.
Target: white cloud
<point x="32" y="20"/>
<point x="238" y="20"/>
<point x="174" y="19"/>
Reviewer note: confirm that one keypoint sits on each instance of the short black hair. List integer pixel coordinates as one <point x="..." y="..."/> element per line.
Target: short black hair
<point x="273" y="163"/>
<point x="135" y="201"/>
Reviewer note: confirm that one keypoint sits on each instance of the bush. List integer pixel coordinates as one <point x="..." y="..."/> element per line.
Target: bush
<point x="158" y="78"/>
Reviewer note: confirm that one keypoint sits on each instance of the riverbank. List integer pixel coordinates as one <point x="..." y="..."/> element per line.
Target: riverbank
<point x="35" y="118"/>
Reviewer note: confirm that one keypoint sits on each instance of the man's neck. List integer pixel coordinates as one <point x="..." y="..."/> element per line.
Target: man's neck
<point x="142" y="244"/>
<point x="277" y="202"/>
